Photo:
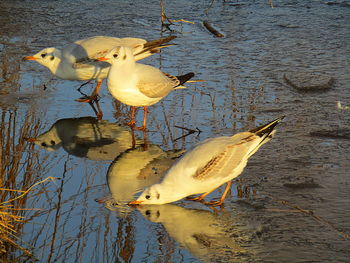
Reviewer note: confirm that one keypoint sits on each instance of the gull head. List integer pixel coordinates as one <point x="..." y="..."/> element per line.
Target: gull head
<point x="48" y="57"/>
<point x="48" y="141"/>
<point x="159" y="194"/>
<point x="152" y="195"/>
<point x="118" y="55"/>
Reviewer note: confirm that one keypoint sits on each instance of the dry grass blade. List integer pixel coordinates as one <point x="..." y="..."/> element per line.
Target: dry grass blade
<point x="28" y="190"/>
<point x="182" y="20"/>
<point x="8" y="220"/>
<point x="19" y="169"/>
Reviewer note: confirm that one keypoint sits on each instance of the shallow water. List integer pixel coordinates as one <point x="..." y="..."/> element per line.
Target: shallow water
<point x="267" y="216"/>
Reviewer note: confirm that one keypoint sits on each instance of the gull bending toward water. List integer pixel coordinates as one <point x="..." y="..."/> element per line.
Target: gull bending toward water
<point x="77" y="61"/>
<point x="135" y="169"/>
<point x="207" y="166"/>
<point x="138" y="85"/>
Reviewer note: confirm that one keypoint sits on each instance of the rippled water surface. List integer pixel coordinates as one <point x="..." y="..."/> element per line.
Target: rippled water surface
<point x="291" y="204"/>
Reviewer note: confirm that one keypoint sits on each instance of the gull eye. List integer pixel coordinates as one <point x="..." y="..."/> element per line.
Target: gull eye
<point x="148" y="213"/>
<point x="43" y="144"/>
<point x="43" y="55"/>
<point x="148" y="197"/>
<point x="115" y="55"/>
<point x="53" y="142"/>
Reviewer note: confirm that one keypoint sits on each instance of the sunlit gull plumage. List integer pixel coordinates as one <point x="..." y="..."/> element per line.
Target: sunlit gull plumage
<point x="137" y="168"/>
<point x="77" y="61"/>
<point x="207" y="166"/>
<point x="138" y="85"/>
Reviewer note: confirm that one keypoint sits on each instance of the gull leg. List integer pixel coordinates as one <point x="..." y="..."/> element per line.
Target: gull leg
<point x="82" y="85"/>
<point x="222" y="199"/>
<point x="94" y="95"/>
<point x="201" y="197"/>
<point x="133" y="140"/>
<point x="145" y="112"/>
<point x="98" y="111"/>
<point x="145" y="141"/>
<point x="132" y="122"/>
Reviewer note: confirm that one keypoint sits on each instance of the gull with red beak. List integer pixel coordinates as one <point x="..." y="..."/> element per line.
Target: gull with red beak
<point x="207" y="166"/>
<point x="77" y="61"/>
<point x="138" y="85"/>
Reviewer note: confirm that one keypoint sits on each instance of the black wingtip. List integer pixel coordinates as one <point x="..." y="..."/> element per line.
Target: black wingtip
<point x="185" y="78"/>
<point x="267" y="128"/>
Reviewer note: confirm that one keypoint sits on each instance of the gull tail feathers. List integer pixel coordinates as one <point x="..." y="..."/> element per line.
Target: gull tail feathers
<point x="265" y="132"/>
<point x="266" y="129"/>
<point x="184" y="78"/>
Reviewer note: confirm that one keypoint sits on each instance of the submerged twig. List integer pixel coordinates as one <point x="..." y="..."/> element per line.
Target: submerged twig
<point x="211" y="29"/>
<point x="316" y="217"/>
<point x="190" y="131"/>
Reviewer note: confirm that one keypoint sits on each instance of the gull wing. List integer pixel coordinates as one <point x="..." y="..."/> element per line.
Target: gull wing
<point x="232" y="158"/>
<point x="82" y="53"/>
<point x="154" y="83"/>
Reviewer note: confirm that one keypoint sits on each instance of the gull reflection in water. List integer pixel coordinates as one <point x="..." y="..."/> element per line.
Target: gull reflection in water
<point x="136" y="169"/>
<point x="203" y="233"/>
<point x="86" y="137"/>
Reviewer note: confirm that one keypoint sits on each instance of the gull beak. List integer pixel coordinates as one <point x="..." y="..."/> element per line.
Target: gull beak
<point x="102" y="59"/>
<point x="29" y="58"/>
<point x="135" y="202"/>
<point x="31" y="139"/>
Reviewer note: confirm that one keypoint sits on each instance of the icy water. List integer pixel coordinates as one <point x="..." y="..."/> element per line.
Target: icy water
<point x="291" y="204"/>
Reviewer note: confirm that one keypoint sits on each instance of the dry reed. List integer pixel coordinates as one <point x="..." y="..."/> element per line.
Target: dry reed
<point x="18" y="163"/>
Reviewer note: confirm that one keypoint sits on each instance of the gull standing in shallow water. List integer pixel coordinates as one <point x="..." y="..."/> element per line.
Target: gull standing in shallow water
<point x="138" y="85"/>
<point x="207" y="166"/>
<point x="77" y="61"/>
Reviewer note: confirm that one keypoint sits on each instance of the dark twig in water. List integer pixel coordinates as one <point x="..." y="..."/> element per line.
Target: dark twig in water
<point x="316" y="217"/>
<point x="190" y="131"/>
<point x="211" y="29"/>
